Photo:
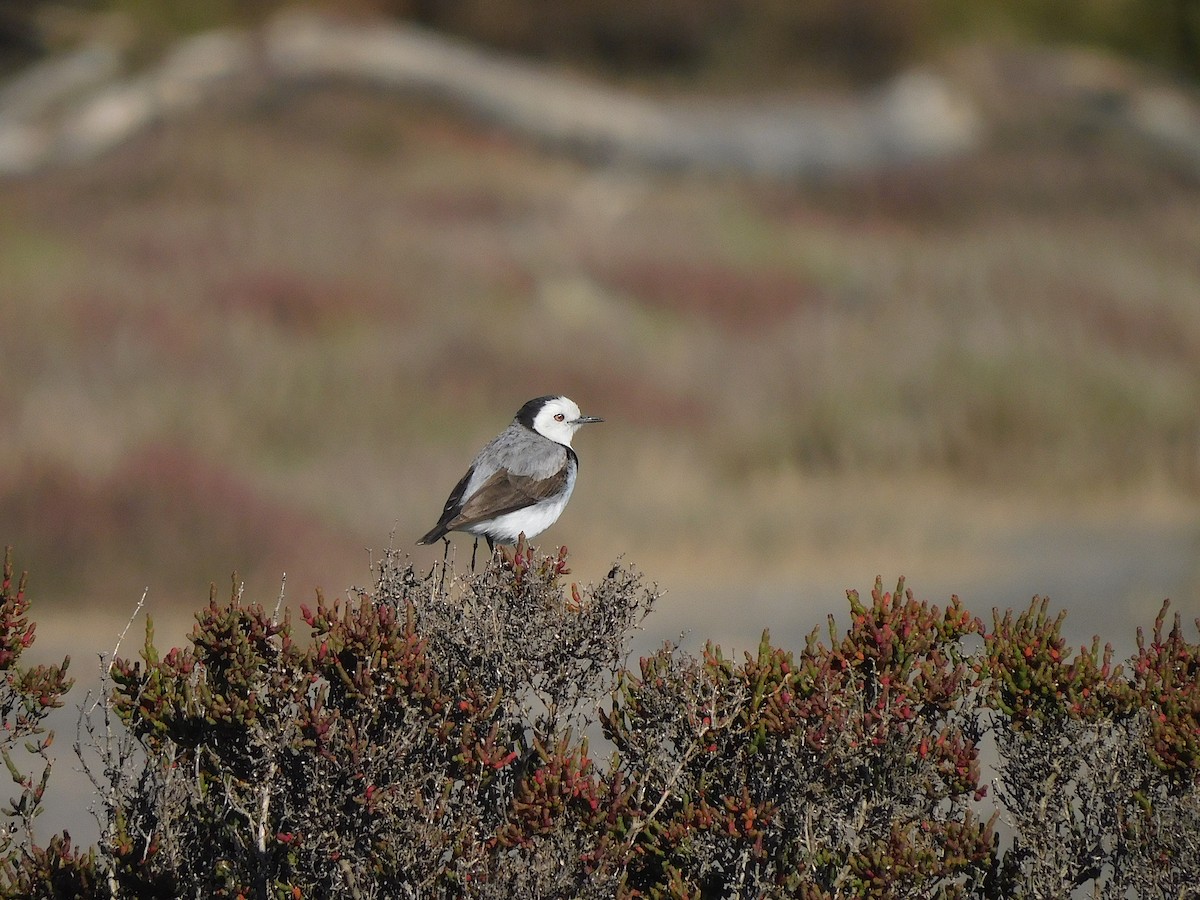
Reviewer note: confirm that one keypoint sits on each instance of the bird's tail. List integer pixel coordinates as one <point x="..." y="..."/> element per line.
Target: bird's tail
<point x="436" y="533"/>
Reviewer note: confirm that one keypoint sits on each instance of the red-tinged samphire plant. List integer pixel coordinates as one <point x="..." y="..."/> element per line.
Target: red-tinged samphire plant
<point x="438" y="735"/>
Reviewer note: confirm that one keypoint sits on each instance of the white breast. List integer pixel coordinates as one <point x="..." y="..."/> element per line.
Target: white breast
<point x="532" y="520"/>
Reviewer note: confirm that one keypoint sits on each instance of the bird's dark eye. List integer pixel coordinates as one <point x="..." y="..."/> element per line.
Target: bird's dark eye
<point x="559" y="417"/>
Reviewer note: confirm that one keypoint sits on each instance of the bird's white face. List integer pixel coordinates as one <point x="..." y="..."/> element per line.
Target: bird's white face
<point x="559" y="419"/>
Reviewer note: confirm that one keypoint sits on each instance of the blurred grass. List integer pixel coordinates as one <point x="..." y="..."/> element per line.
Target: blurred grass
<point x="275" y="332"/>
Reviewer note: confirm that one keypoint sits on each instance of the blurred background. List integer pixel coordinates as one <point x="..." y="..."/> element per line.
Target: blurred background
<point x="897" y="288"/>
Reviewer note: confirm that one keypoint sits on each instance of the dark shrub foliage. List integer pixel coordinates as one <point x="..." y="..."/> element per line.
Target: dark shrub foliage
<point x="27" y="693"/>
<point x="429" y="738"/>
<point x="1098" y="772"/>
<point x="841" y="772"/>
<point x="402" y="750"/>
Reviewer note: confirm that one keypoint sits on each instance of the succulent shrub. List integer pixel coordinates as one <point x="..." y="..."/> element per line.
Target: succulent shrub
<point x="433" y="736"/>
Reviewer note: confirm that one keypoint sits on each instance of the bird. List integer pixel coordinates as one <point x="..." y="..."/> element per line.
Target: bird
<point x="521" y="481"/>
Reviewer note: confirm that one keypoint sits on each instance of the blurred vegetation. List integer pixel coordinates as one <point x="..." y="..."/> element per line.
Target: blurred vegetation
<point x="255" y="330"/>
<point x="720" y="41"/>
<point x="190" y="325"/>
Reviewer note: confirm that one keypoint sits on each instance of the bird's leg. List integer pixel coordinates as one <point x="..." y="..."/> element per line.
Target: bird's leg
<point x="474" y="550"/>
<point x="445" y="557"/>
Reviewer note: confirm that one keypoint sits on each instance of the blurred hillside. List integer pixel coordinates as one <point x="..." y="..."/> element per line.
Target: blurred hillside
<point x="269" y="333"/>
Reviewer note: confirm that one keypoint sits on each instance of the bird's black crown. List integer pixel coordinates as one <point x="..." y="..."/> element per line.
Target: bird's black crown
<point x="527" y="413"/>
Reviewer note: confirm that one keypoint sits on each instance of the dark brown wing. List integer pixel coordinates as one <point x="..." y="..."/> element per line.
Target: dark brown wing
<point x="449" y="511"/>
<point x="505" y="492"/>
